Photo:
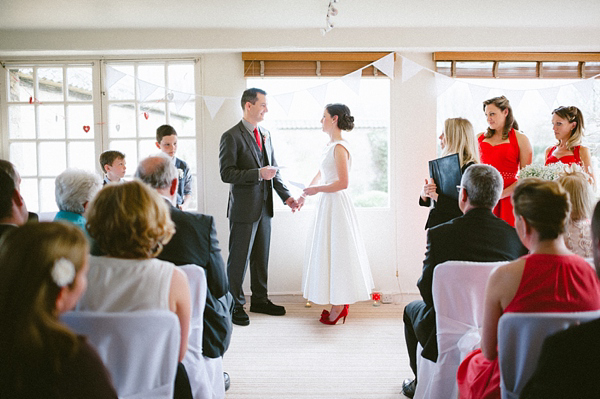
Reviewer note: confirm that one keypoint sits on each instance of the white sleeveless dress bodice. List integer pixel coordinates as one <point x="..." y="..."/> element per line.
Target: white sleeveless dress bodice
<point x="124" y="285"/>
<point x="336" y="267"/>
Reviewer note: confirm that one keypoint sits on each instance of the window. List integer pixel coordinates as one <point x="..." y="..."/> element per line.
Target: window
<point x="298" y="139"/>
<point x="56" y="117"/>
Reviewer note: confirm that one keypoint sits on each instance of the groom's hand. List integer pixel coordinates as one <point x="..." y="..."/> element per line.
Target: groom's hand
<point x="268" y="172"/>
<point x="291" y="202"/>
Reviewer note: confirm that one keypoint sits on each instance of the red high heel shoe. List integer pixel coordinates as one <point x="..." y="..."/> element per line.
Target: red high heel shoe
<point x="343" y="313"/>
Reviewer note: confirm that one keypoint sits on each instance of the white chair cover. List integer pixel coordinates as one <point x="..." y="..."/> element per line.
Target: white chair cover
<point x="140" y="349"/>
<point x="205" y="374"/>
<point x="458" y="294"/>
<point x="520" y="339"/>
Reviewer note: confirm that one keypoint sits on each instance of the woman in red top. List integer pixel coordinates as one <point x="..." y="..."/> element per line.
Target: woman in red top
<point x="505" y="148"/>
<point x="567" y="123"/>
<point x="549" y="279"/>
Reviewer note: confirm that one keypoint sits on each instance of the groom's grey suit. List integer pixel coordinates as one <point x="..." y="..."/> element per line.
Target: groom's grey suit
<point x="250" y="208"/>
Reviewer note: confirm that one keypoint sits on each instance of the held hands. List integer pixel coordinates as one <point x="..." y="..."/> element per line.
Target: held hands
<point x="268" y="172"/>
<point x="292" y="203"/>
<point x="429" y="190"/>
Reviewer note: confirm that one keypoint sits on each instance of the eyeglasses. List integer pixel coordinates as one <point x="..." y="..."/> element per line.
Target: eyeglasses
<point x="458" y="188"/>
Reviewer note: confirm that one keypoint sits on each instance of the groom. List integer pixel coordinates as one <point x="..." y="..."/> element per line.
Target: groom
<point x="247" y="163"/>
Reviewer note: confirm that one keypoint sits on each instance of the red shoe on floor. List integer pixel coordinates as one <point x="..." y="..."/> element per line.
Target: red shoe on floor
<point x="343" y="313"/>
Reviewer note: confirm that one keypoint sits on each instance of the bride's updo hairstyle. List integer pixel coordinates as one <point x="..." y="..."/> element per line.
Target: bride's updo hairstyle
<point x="544" y="204"/>
<point x="345" y="120"/>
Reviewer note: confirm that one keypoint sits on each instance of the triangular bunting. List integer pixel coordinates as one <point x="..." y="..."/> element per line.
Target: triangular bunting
<point x="213" y="104"/>
<point x="442" y="83"/>
<point x="549" y="95"/>
<point x="386" y="65"/>
<point x="409" y="69"/>
<point x="585" y="87"/>
<point x="352" y="80"/>
<point x="180" y="99"/>
<point x="515" y="97"/>
<point x="112" y="76"/>
<point x="145" y="89"/>
<point x="319" y="93"/>
<point x="285" y="100"/>
<point x="478" y="93"/>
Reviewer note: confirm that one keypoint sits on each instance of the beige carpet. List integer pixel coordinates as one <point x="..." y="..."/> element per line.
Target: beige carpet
<point x="295" y="356"/>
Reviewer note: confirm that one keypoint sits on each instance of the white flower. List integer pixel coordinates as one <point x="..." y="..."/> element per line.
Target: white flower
<point x="63" y="272"/>
<point x="180" y="173"/>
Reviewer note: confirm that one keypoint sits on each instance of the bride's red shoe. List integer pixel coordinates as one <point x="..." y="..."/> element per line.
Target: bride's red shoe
<point x="343" y="313"/>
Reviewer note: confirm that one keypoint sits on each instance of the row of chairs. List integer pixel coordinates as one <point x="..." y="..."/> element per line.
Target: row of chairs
<point x="141" y="349"/>
<point x="458" y="293"/>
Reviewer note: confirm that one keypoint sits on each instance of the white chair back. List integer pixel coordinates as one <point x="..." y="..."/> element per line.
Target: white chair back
<point x="140" y="349"/>
<point x="458" y="295"/>
<point x="520" y="339"/>
<point x="205" y="374"/>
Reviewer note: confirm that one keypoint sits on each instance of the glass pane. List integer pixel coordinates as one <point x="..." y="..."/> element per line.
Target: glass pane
<point x="80" y="121"/>
<point x="52" y="121"/>
<point x="21" y="122"/>
<point x="20" y="84"/>
<point x="127" y="147"/>
<point x="50" y="84"/>
<point x="591" y="69"/>
<point x="181" y="78"/>
<point x="147" y="148"/>
<point x="444" y="67"/>
<point x="29" y="192"/>
<point x="47" y="196"/>
<point x="151" y="116"/>
<point x="119" y="82"/>
<point x="186" y="150"/>
<point x="79" y="81"/>
<point x="517" y="69"/>
<point x="82" y="155"/>
<point x="182" y="117"/>
<point x="121" y="120"/>
<point x="475" y="69"/>
<point x="23" y="156"/>
<point x="52" y="158"/>
<point x="151" y="83"/>
<point x="560" y="70"/>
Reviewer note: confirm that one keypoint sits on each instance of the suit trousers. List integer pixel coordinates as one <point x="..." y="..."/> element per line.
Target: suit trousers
<point x="249" y="243"/>
<point x="412" y="312"/>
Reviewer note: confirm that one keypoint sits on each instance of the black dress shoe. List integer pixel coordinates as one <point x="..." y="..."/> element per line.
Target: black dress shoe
<point x="227" y="381"/>
<point x="408" y="387"/>
<point x="240" y="317"/>
<point x="267" y="308"/>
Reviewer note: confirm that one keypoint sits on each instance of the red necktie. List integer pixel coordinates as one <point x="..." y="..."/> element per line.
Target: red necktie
<point x="258" y="140"/>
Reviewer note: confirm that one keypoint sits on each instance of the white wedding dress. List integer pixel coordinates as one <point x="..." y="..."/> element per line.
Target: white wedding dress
<point x="336" y="267"/>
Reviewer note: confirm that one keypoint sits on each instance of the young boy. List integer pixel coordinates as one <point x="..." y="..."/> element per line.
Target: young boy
<point x="113" y="166"/>
<point x="166" y="141"/>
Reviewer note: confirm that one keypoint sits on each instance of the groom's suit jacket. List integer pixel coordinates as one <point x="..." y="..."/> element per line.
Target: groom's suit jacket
<point x="240" y="161"/>
<point x="477" y="236"/>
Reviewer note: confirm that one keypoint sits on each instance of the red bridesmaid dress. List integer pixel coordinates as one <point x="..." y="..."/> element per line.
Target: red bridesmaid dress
<point x="567" y="159"/>
<point x="505" y="158"/>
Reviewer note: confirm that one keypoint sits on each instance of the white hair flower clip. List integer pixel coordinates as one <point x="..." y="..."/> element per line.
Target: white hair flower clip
<point x="63" y="272"/>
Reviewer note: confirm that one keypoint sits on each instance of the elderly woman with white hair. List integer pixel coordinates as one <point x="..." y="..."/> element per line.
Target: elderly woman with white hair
<point x="74" y="190"/>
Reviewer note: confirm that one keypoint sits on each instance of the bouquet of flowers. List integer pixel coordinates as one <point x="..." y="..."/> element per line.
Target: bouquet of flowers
<point x="552" y="171"/>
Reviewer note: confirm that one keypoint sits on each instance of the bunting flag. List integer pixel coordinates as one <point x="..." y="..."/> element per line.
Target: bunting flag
<point x="515" y="97"/>
<point x="386" y="65"/>
<point x="442" y="83"/>
<point x="285" y="100"/>
<point x="549" y="95"/>
<point x="180" y="99"/>
<point x="479" y="93"/>
<point x="112" y="76"/>
<point x="213" y="104"/>
<point x="352" y="80"/>
<point x="319" y="93"/>
<point x="145" y="89"/>
<point x="410" y="69"/>
<point x="586" y="88"/>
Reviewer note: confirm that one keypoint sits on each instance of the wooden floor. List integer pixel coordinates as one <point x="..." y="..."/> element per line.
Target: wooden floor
<point x="295" y="356"/>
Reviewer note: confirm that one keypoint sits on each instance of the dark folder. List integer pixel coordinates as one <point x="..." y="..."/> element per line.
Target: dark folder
<point x="446" y="173"/>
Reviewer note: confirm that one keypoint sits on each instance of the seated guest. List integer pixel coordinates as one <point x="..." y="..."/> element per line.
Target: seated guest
<point x="13" y="211"/>
<point x="578" y="235"/>
<point x="572" y="355"/>
<point x="194" y="242"/>
<point x="477" y="236"/>
<point x="43" y="269"/>
<point x="130" y="223"/>
<point x="113" y="166"/>
<point x="74" y="189"/>
<point x="549" y="279"/>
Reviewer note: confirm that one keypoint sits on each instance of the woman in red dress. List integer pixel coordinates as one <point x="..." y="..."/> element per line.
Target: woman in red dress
<point x="567" y="123"/>
<point x="505" y="148"/>
<point x="549" y="279"/>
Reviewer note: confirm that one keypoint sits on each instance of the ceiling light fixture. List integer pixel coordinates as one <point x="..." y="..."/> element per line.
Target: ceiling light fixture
<point x="331" y="12"/>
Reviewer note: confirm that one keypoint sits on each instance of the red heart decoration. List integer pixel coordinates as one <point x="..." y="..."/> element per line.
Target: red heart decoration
<point x="86" y="129"/>
<point x="30" y="100"/>
<point x="146" y="115"/>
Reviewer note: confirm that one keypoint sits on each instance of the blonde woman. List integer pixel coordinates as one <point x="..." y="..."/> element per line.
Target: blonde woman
<point x="578" y="236"/>
<point x="43" y="269"/>
<point x="568" y="126"/>
<point x="456" y="138"/>
<point x="505" y="148"/>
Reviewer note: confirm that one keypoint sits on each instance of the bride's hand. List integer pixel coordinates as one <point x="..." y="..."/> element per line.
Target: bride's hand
<point x="311" y="190"/>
